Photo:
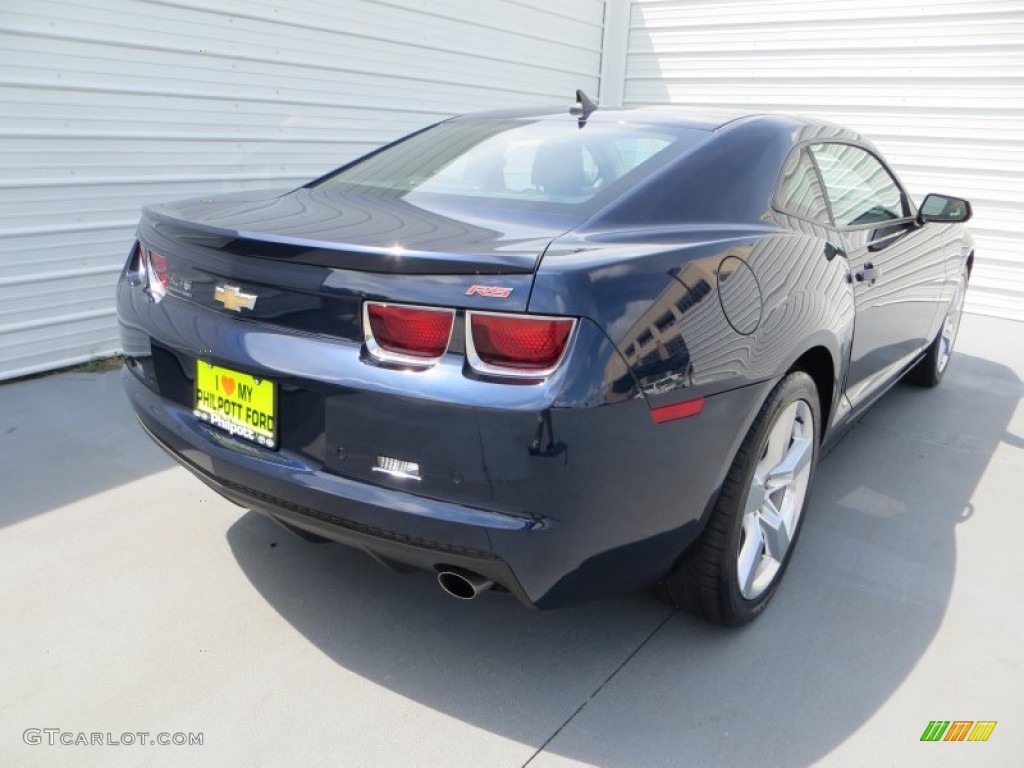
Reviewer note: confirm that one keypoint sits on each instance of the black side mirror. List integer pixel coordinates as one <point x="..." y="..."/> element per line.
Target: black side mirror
<point x="943" y="208"/>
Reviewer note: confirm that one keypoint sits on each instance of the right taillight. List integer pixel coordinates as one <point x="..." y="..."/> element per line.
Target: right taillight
<point x="516" y="345"/>
<point x="405" y="334"/>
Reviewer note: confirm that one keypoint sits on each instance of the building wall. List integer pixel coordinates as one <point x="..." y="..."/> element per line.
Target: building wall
<point x="938" y="86"/>
<point x="111" y="104"/>
<point x="108" y="105"/>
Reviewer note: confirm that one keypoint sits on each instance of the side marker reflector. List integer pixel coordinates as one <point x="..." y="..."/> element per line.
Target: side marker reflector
<point x="677" y="410"/>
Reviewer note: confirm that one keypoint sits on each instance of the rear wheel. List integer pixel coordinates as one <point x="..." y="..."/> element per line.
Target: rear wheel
<point x="932" y="367"/>
<point x="731" y="572"/>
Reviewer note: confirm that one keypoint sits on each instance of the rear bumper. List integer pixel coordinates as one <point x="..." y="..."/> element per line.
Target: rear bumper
<point x="567" y="494"/>
<point x="392" y="548"/>
<point x="390" y="525"/>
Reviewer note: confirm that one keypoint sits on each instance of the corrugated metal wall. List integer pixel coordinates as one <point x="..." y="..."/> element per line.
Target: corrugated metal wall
<point x="108" y="105"/>
<point x="938" y="85"/>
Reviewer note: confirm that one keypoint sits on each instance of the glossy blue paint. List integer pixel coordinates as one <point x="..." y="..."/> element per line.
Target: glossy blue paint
<point x="691" y="283"/>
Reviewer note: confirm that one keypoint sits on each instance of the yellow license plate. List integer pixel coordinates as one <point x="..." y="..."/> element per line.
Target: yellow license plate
<point x="236" y="402"/>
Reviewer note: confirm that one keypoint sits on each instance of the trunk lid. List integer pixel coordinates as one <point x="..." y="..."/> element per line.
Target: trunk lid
<point x="312" y="256"/>
<point x="386" y="233"/>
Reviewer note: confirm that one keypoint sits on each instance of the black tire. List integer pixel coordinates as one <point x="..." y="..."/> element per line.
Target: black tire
<point x="930" y="369"/>
<point x="706" y="579"/>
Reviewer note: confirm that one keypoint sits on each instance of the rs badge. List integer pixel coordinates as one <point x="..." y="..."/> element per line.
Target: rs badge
<point x="489" y="291"/>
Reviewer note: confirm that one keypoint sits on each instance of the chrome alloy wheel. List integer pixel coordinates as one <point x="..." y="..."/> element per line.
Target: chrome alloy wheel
<point x="951" y="325"/>
<point x="775" y="499"/>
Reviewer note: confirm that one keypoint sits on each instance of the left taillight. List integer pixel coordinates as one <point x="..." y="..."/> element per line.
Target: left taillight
<point x="152" y="270"/>
<point x="404" y="334"/>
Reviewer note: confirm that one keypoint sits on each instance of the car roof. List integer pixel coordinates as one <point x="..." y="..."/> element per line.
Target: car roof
<point x="671" y="115"/>
<point x="604" y="115"/>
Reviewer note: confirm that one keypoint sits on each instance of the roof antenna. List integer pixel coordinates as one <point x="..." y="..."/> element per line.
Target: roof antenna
<point x="583" y="107"/>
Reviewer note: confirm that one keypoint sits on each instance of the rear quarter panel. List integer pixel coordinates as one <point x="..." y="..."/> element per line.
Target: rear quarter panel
<point x="696" y="313"/>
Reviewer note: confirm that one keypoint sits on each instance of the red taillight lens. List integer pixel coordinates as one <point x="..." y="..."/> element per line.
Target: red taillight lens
<point x="152" y="269"/>
<point x="395" y="331"/>
<point x="158" y="268"/>
<point x="515" y="344"/>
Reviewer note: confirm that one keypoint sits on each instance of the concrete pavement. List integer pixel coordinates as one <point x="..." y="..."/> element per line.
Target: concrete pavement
<point x="134" y="600"/>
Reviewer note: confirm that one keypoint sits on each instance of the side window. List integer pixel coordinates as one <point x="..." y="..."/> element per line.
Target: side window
<point x="800" y="192"/>
<point x="859" y="187"/>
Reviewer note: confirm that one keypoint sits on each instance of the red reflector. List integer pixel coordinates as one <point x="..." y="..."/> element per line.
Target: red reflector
<point x="410" y="331"/>
<point x="677" y="410"/>
<point x="527" y="344"/>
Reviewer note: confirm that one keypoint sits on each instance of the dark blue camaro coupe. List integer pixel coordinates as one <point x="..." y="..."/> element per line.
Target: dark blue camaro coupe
<point x="557" y="353"/>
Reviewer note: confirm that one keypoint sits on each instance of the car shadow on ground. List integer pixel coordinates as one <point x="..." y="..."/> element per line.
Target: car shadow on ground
<point x="863" y="599"/>
<point x="68" y="437"/>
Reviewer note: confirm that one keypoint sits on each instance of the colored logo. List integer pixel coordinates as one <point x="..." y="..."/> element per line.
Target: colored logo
<point x="958" y="730"/>
<point x="231" y="297"/>
<point x="489" y="291"/>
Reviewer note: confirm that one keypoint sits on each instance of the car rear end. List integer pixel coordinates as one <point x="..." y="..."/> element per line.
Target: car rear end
<point x="407" y="399"/>
<point x="399" y="441"/>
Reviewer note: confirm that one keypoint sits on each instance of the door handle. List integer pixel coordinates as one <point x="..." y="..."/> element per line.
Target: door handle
<point x="868" y="273"/>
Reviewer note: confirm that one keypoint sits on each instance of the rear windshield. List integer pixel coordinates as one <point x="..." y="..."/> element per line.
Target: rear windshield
<point x="540" y="163"/>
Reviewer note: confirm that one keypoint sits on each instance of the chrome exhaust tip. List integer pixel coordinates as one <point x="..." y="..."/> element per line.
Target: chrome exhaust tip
<point x="464" y="585"/>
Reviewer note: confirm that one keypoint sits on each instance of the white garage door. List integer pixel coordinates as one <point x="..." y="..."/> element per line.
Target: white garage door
<point x="938" y="85"/>
<point x="106" y="105"/>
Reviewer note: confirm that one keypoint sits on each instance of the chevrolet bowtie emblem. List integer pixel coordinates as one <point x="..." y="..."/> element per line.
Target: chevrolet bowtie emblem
<point x="231" y="297"/>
